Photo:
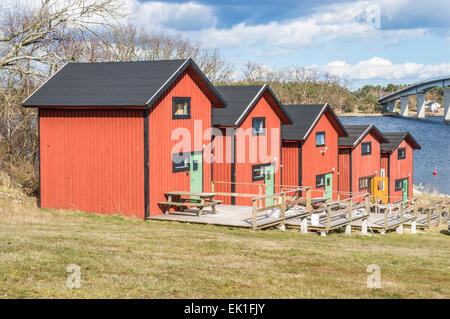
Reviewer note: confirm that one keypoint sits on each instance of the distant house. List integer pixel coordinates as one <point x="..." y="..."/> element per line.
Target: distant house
<point x="310" y="149"/>
<point x="249" y="122"/>
<point x="359" y="161"/>
<point x="432" y="106"/>
<point x="397" y="162"/>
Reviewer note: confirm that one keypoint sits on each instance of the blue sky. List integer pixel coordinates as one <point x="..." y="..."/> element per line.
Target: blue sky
<point x="376" y="42"/>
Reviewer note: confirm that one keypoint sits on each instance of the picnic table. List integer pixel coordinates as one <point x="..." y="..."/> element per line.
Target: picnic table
<point x="183" y="199"/>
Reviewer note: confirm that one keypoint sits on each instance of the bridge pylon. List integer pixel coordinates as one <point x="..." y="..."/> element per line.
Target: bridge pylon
<point x="420" y="98"/>
<point x="404" y="106"/>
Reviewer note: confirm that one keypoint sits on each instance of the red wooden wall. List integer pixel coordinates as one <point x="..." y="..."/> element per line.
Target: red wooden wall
<point x="93" y="160"/>
<point x="263" y="108"/>
<point x="365" y="165"/>
<point x="290" y="170"/>
<point x="222" y="164"/>
<point x="400" y="169"/>
<point x="344" y="172"/>
<point x="315" y="162"/>
<point x="161" y="126"/>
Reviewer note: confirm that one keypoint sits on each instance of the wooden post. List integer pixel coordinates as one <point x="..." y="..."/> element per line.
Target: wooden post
<point x="212" y="186"/>
<point x="402" y="211"/>
<point x="283" y="207"/>
<point x="255" y="207"/>
<point x="386" y="219"/>
<point x="260" y="194"/>
<point x="416" y="208"/>
<point x="429" y="218"/>
<point x="308" y="200"/>
<point x="328" y="207"/>
<point x="367" y="202"/>
<point x="350" y="210"/>
<point x="339" y="196"/>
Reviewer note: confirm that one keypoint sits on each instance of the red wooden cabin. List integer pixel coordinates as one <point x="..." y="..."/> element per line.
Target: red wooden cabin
<point x="248" y="152"/>
<point x="310" y="149"/>
<point x="105" y="132"/>
<point x="359" y="160"/>
<point x="397" y="158"/>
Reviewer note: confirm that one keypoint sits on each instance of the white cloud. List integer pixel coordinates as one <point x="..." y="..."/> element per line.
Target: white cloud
<point x="341" y="22"/>
<point x="158" y="16"/>
<point x="345" y="22"/>
<point x="379" y="68"/>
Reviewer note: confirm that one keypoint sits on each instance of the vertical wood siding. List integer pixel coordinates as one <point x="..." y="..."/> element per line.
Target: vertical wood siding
<point x="344" y="172"/>
<point x="401" y="169"/>
<point x="263" y="108"/>
<point x="290" y="163"/>
<point x="93" y="160"/>
<point x="366" y="165"/>
<point x="161" y="126"/>
<point x="222" y="165"/>
<point x="316" y="163"/>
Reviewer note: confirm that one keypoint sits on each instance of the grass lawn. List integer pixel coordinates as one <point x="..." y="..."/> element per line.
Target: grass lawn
<point x="129" y="258"/>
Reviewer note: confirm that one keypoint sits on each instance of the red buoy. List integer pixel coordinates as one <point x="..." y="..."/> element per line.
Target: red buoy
<point x="434" y="172"/>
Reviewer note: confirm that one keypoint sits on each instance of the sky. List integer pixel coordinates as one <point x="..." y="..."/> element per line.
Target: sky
<point x="363" y="42"/>
<point x="360" y="41"/>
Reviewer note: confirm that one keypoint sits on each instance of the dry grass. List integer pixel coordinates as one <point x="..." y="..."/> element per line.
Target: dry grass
<point x="135" y="259"/>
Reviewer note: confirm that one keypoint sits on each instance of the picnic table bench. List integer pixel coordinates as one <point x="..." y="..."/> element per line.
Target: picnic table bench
<point x="183" y="199"/>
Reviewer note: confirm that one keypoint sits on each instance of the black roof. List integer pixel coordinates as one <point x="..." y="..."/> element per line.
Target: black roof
<point x="240" y="101"/>
<point x="356" y="133"/>
<point x="305" y="117"/>
<point x="238" y="98"/>
<point x="137" y="83"/>
<point x="395" y="138"/>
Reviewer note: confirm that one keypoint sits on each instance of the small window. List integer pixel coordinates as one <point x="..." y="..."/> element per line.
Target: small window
<point x="258" y="172"/>
<point x="320" y="180"/>
<point x="180" y="162"/>
<point x="382" y="172"/>
<point x="259" y="126"/>
<point x="366" y="148"/>
<point x="401" y="153"/>
<point x="364" y="183"/>
<point x="320" y="139"/>
<point x="181" y="108"/>
<point x="399" y="184"/>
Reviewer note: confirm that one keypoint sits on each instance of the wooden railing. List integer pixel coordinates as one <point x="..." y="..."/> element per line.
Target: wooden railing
<point x="440" y="207"/>
<point x="284" y="205"/>
<point x="334" y="209"/>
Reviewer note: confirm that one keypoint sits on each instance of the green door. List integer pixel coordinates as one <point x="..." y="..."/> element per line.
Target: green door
<point x="269" y="180"/>
<point x="329" y="185"/>
<point x="196" y="172"/>
<point x="405" y="190"/>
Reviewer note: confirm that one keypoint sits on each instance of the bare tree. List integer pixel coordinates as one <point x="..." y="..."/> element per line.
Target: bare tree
<point x="30" y="36"/>
<point x="34" y="42"/>
<point x="128" y="43"/>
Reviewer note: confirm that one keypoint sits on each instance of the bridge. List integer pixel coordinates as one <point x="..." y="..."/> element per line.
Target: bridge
<point x="418" y="89"/>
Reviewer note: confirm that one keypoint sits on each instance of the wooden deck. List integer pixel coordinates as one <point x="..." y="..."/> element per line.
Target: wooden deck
<point x="233" y="216"/>
<point x="337" y="221"/>
<point x="376" y="221"/>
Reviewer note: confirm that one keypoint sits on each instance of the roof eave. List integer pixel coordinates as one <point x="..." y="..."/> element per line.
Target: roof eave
<point x="176" y="74"/>
<point x="24" y="102"/>
<point x="324" y="108"/>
